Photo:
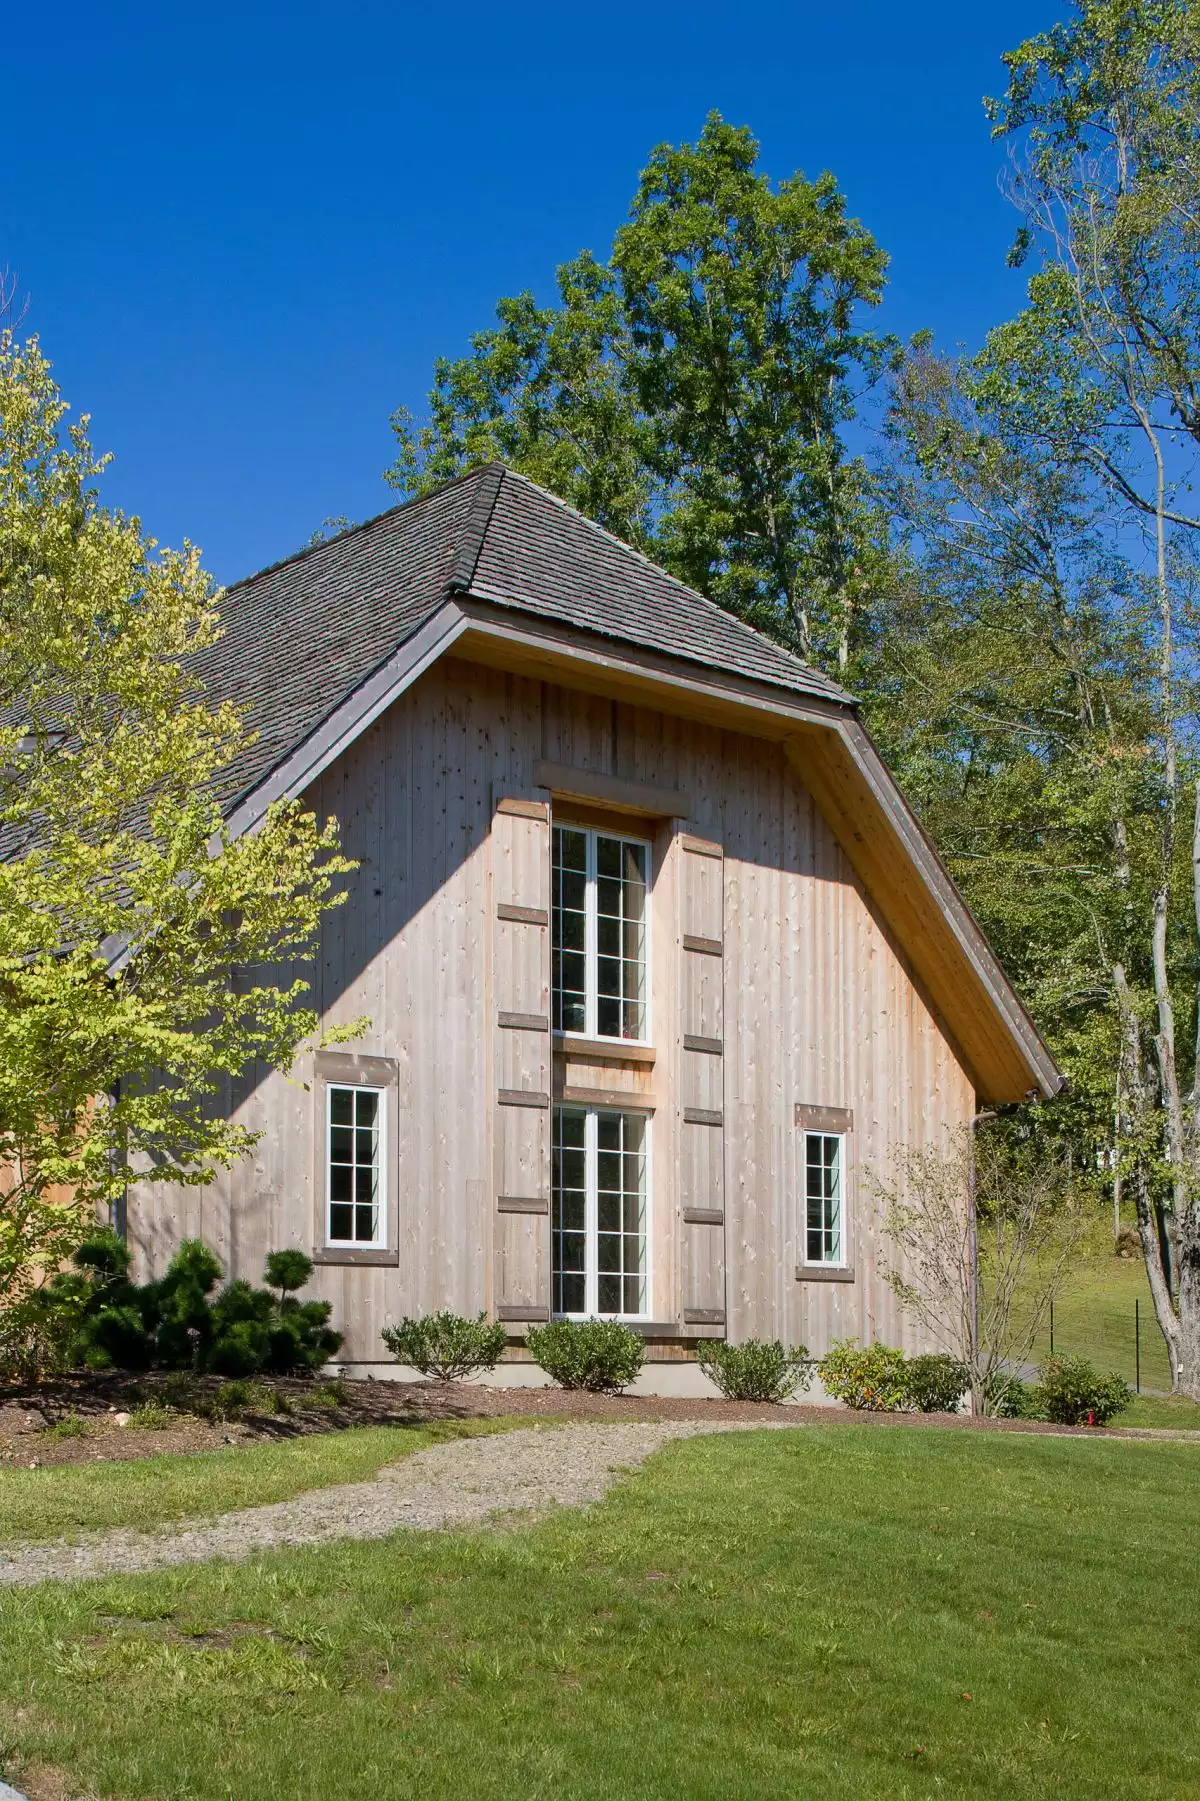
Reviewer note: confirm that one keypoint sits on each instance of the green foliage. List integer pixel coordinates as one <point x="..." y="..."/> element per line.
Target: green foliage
<point x="935" y="1383"/>
<point x="332" y="1394"/>
<point x="872" y="1378"/>
<point x="70" y="1426"/>
<point x="758" y="1369"/>
<point x="145" y="956"/>
<point x="178" y="1323"/>
<point x="288" y="1271"/>
<point x="1073" y="1392"/>
<point x="689" y="393"/>
<point x="242" y="1395"/>
<point x="445" y="1345"/>
<point x="151" y="1417"/>
<point x="1010" y="1398"/>
<point x="600" y="1355"/>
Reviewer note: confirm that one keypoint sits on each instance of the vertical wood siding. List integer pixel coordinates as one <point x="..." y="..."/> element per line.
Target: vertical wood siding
<point x="810" y="1001"/>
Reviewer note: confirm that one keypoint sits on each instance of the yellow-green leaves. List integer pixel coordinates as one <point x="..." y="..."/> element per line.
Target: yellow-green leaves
<point x="145" y="958"/>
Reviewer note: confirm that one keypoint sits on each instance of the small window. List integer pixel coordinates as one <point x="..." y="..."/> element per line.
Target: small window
<point x="824" y="1233"/>
<point x="600" y="1241"/>
<point x="599" y="934"/>
<point x="356" y="1184"/>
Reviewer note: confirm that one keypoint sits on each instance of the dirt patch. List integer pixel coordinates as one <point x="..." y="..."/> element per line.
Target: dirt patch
<point x="90" y="1406"/>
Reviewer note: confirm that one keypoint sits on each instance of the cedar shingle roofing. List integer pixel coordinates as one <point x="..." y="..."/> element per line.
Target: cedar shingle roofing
<point x="301" y="636"/>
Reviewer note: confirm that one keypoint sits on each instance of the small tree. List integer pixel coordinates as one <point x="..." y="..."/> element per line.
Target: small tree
<point x="983" y="1238"/>
<point x="145" y="955"/>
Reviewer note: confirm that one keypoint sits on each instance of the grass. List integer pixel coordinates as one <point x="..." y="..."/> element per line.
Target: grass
<point x="51" y="1503"/>
<point x="841" y="1613"/>
<point x="1093" y="1318"/>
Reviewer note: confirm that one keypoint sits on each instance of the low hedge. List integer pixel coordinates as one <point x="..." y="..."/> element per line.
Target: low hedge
<point x="599" y="1355"/>
<point x="758" y="1369"/>
<point x="447" y="1346"/>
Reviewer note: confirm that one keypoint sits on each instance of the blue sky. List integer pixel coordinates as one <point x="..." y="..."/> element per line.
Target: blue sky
<point x="245" y="231"/>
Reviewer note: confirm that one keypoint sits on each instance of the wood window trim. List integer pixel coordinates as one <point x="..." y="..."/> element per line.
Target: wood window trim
<point x="598" y="789"/>
<point x="352" y="1069"/>
<point x="637" y="838"/>
<point x="826" y="1122"/>
<point x="576" y="1048"/>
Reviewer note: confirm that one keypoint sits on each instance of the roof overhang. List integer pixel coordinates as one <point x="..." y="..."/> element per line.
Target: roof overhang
<point x="827" y="746"/>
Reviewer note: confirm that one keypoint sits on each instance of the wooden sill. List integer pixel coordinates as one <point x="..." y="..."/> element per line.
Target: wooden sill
<point x="602" y="1050"/>
<point x="823" y="1272"/>
<point x="348" y="1255"/>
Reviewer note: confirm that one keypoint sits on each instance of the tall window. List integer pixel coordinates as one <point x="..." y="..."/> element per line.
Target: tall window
<point x="599" y="1185"/>
<point x="824" y="1234"/>
<point x="599" y="940"/>
<point x="355" y="1175"/>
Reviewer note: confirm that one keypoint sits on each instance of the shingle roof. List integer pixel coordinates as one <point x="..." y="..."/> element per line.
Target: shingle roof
<point x="301" y="636"/>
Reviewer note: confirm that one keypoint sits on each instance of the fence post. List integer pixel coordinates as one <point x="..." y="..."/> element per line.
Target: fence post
<point x="1137" y="1342"/>
<point x="1052" y="1328"/>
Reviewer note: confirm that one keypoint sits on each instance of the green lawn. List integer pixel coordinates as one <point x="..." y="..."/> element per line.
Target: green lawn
<point x="55" y="1502"/>
<point x="1093" y="1317"/>
<point x="836" y="1612"/>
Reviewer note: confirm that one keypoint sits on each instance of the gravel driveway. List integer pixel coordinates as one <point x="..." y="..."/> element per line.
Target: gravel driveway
<point x="461" y="1483"/>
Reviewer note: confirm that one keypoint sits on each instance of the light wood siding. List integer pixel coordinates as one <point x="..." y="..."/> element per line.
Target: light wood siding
<point x="700" y="1100"/>
<point x="809" y="998"/>
<point x="521" y="1025"/>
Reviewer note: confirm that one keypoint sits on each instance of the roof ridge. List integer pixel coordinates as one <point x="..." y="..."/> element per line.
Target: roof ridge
<point x="469" y="548"/>
<point x="401" y="506"/>
<point x="665" y="575"/>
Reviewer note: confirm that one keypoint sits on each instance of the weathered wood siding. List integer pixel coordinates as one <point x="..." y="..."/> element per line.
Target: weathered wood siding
<point x="808" y="1002"/>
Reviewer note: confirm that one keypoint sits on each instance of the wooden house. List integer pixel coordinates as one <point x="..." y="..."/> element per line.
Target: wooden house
<point x="658" y="968"/>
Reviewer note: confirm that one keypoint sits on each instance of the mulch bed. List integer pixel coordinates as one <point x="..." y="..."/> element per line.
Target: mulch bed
<point x="28" y="1416"/>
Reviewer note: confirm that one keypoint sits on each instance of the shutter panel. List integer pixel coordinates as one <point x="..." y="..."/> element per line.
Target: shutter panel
<point x="702" y="1088"/>
<point x="521" y="1029"/>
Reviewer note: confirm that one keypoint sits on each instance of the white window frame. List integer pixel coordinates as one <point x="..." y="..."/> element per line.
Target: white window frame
<point x="591" y="951"/>
<point x="380" y="1241"/>
<point x="591" y="1215"/>
<point x="842" y="1260"/>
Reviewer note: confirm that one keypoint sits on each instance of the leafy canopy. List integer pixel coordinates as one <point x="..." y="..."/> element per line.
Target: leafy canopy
<point x="144" y="956"/>
<point x="689" y="393"/>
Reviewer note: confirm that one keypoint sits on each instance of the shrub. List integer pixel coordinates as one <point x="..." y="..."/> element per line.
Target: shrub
<point x="1073" y="1392"/>
<point x="177" y="1323"/>
<point x="760" y="1369"/>
<point x="600" y="1355"/>
<point x="936" y="1383"/>
<point x="445" y="1345"/>
<point x="868" y="1377"/>
<point x="1011" y="1399"/>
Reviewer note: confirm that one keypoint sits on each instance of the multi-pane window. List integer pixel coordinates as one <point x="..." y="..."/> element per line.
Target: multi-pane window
<point x="599" y="936"/>
<point x="599" y="1186"/>
<point x="355" y="1174"/>
<point x="824" y="1235"/>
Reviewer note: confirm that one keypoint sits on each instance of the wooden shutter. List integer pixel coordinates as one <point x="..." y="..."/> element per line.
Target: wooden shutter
<point x="702" y="1088"/>
<point x="521" y="998"/>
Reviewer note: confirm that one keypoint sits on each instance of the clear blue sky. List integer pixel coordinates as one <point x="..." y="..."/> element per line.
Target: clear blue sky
<point x="245" y="231"/>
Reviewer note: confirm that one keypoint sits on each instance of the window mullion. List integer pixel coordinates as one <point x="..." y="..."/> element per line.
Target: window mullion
<point x="591" y="938"/>
<point x="591" y="1213"/>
